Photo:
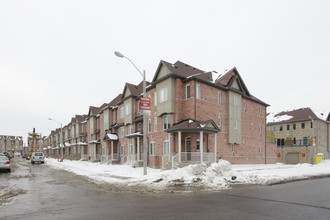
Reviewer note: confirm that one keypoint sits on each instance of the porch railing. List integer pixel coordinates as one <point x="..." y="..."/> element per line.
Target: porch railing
<point x="84" y="157"/>
<point x="175" y="159"/>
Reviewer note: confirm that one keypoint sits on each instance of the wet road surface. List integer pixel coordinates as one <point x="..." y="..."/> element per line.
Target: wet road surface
<point x="40" y="192"/>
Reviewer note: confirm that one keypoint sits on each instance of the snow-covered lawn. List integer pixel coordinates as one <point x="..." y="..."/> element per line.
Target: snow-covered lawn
<point x="218" y="176"/>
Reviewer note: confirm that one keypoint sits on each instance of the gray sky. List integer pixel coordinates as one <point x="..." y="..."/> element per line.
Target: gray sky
<point x="56" y="57"/>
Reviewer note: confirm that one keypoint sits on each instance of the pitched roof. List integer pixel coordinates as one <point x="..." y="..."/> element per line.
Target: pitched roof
<point x="301" y="114"/>
<point x="115" y="101"/>
<point x="183" y="70"/>
<point x="189" y="125"/>
<point x="135" y="90"/>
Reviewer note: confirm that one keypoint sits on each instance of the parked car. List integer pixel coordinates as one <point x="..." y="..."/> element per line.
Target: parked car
<point x="4" y="163"/>
<point x="17" y="154"/>
<point x="37" y="157"/>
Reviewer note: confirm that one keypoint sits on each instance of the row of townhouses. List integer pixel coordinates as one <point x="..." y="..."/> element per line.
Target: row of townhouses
<point x="196" y="116"/>
<point x="11" y="144"/>
<point x="293" y="133"/>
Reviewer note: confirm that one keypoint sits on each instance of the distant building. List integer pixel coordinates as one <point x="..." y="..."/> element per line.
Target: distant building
<point x="11" y="144"/>
<point x="292" y="131"/>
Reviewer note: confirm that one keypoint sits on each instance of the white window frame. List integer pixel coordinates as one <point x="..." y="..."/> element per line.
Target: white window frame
<point x="166" y="122"/>
<point x="149" y="125"/>
<point x="198" y="91"/>
<point x="152" y="149"/>
<point x="235" y="100"/>
<point x="187" y="91"/>
<point x="121" y="132"/>
<point x="122" y="150"/>
<point x="155" y="124"/>
<point x="155" y="99"/>
<point x="130" y="129"/>
<point x="219" y="121"/>
<point x="244" y="105"/>
<point x="121" y="112"/>
<point x="128" y="109"/>
<point x="259" y="110"/>
<point x="219" y="98"/>
<point x="235" y="124"/>
<point x="163" y="96"/>
<point x="166" y="147"/>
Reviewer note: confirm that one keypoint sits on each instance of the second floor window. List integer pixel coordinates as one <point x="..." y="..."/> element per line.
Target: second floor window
<point x="166" y="147"/>
<point x="288" y="127"/>
<point x="152" y="149"/>
<point x="121" y="132"/>
<point x="235" y="124"/>
<point x="128" y="109"/>
<point x="219" y="98"/>
<point x="187" y="91"/>
<point x="155" y="99"/>
<point x="163" y="94"/>
<point x="149" y="125"/>
<point x="155" y="124"/>
<point x="121" y="114"/>
<point x="294" y="126"/>
<point x="198" y="91"/>
<point x="166" y="122"/>
<point x="302" y="125"/>
<point x="130" y="129"/>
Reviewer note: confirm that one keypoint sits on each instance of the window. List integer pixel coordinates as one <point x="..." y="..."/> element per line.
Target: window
<point x="121" y="132"/>
<point x="259" y="149"/>
<point x="128" y="109"/>
<point x="259" y="130"/>
<point x="197" y="144"/>
<point x="121" y="113"/>
<point x="302" y="141"/>
<point x="274" y="128"/>
<point x="131" y="149"/>
<point x="130" y="129"/>
<point x="155" y="124"/>
<point x="163" y="96"/>
<point x="155" y="99"/>
<point x="303" y="125"/>
<point x="311" y="124"/>
<point x="187" y="91"/>
<point x="294" y="126"/>
<point x="166" y="122"/>
<point x="166" y="147"/>
<point x="198" y="91"/>
<point x="244" y="106"/>
<point x="259" y="110"/>
<point x="294" y="141"/>
<point x="219" y="121"/>
<point x="280" y="142"/>
<point x="235" y="100"/>
<point x="219" y="98"/>
<point x="122" y="150"/>
<point x="152" y="149"/>
<point x="288" y="127"/>
<point x="235" y="124"/>
<point x="149" y="125"/>
<point x="281" y="127"/>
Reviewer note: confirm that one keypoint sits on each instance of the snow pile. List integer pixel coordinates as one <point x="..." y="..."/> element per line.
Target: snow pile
<point x="217" y="176"/>
<point x="321" y="114"/>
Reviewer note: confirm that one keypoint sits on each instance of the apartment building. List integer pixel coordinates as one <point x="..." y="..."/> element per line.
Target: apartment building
<point x="11" y="144"/>
<point x="293" y="133"/>
<point x="196" y="116"/>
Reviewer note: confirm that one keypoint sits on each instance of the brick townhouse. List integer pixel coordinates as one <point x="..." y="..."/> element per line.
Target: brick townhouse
<point x="195" y="117"/>
<point x="11" y="144"/>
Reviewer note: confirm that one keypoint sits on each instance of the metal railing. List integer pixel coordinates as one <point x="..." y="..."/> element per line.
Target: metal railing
<point x="175" y="159"/>
<point x="85" y="157"/>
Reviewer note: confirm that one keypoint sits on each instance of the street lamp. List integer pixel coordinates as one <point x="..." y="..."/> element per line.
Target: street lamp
<point x="118" y="54"/>
<point x="313" y="154"/>
<point x="61" y="136"/>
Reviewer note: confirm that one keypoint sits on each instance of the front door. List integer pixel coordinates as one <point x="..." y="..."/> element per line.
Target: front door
<point x="188" y="148"/>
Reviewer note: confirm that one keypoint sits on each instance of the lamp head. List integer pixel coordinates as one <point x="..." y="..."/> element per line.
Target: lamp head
<point x="50" y="119"/>
<point x="118" y="54"/>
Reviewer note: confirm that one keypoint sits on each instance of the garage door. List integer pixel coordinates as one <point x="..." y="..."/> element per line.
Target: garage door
<point x="292" y="158"/>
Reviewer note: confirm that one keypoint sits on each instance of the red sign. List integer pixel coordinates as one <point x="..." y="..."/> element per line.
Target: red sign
<point x="303" y="154"/>
<point x="145" y="105"/>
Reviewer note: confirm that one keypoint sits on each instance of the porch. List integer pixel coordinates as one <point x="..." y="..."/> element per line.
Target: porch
<point x="195" y="136"/>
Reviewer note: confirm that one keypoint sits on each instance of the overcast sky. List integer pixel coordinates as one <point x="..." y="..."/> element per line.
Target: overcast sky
<point x="57" y="57"/>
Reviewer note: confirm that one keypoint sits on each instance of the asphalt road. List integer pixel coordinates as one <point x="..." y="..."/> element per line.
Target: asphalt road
<point x="40" y="192"/>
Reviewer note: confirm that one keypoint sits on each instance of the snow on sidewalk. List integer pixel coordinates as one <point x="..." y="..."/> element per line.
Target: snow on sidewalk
<point x="215" y="177"/>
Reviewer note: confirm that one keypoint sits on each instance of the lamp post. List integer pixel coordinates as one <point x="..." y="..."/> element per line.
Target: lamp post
<point x="61" y="136"/>
<point x="313" y="148"/>
<point x="118" y="54"/>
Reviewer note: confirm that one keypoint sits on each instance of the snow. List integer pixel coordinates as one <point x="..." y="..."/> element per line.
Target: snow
<point x="191" y="121"/>
<point x="273" y="118"/>
<point x="321" y="114"/>
<point x="217" y="176"/>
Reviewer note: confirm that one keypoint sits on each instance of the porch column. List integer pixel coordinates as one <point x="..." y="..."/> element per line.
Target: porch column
<point x="215" y="147"/>
<point x="111" y="150"/>
<point x="201" y="145"/>
<point x="179" y="144"/>
<point x="138" y="148"/>
<point x="133" y="142"/>
<point x="169" y="143"/>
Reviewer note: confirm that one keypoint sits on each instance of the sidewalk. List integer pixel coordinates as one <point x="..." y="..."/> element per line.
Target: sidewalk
<point x="215" y="177"/>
